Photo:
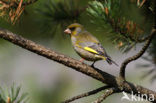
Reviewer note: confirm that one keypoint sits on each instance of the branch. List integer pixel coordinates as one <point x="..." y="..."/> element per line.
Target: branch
<point x="86" y="94"/>
<point x="29" y="2"/>
<point x="75" y="64"/>
<point x="60" y="58"/>
<point x="119" y="29"/>
<point x="12" y="9"/>
<point x="105" y="95"/>
<point x="138" y="55"/>
<point x="15" y="4"/>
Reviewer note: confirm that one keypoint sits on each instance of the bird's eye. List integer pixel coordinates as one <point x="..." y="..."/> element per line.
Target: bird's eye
<point x="72" y="29"/>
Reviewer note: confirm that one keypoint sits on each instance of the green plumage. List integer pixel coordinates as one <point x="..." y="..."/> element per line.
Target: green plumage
<point x="86" y="45"/>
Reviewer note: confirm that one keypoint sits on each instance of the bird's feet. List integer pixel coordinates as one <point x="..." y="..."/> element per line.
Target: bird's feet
<point x="93" y="65"/>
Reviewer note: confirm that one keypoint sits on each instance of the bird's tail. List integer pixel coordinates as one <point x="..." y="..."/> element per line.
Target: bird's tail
<point x="110" y="61"/>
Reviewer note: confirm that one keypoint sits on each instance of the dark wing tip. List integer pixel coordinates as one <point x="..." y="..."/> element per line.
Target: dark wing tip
<point x="110" y="61"/>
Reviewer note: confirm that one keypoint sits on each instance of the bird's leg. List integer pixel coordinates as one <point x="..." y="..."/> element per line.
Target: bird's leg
<point x="93" y="64"/>
<point x="81" y="60"/>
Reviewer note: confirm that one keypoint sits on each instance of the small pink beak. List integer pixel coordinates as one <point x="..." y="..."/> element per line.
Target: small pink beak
<point x="67" y="31"/>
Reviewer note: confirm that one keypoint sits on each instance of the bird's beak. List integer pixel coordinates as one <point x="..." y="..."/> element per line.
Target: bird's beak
<point x="67" y="31"/>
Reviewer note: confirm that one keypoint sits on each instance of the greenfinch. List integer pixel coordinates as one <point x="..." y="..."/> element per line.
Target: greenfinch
<point x="86" y="45"/>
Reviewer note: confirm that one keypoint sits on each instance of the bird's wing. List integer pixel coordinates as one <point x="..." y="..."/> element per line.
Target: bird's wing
<point x="92" y="45"/>
<point x="89" y="43"/>
<point x="95" y="48"/>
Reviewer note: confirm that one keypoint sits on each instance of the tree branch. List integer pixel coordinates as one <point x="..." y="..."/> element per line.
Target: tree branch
<point x="86" y="94"/>
<point x="138" y="55"/>
<point x="75" y="64"/>
<point x="60" y="58"/>
<point x="105" y="95"/>
<point x="29" y="2"/>
<point x="15" y="4"/>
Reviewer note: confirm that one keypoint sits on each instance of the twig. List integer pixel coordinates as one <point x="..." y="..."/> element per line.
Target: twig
<point x="119" y="29"/>
<point x="74" y="64"/>
<point x="86" y="94"/>
<point x="23" y="4"/>
<point x="138" y="55"/>
<point x="29" y="2"/>
<point x="141" y="4"/>
<point x="105" y="95"/>
<point x="145" y="38"/>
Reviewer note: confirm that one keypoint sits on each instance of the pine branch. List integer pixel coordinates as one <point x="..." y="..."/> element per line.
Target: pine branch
<point x="95" y="73"/>
<point x="105" y="95"/>
<point x="86" y="94"/>
<point x="29" y="2"/>
<point x="124" y="32"/>
<point x="58" y="14"/>
<point x="12" y="10"/>
<point x="15" y="4"/>
<point x="13" y="95"/>
<point x="138" y="55"/>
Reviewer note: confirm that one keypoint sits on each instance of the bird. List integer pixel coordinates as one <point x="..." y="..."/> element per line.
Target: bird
<point x="86" y="45"/>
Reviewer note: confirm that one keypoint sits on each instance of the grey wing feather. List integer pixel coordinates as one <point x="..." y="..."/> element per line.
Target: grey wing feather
<point x="94" y="46"/>
<point x="98" y="47"/>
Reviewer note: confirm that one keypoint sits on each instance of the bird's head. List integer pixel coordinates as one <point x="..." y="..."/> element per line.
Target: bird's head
<point x="74" y="29"/>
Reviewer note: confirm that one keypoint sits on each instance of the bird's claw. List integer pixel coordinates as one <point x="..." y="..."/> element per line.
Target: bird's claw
<point x="93" y="65"/>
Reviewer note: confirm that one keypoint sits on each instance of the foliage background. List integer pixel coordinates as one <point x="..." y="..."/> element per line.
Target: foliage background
<point x="47" y="81"/>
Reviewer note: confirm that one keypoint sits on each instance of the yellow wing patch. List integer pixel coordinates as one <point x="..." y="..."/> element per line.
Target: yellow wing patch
<point x="104" y="58"/>
<point x="94" y="51"/>
<point x="91" y="50"/>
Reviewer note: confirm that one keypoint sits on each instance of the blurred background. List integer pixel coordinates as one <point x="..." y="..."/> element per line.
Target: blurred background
<point x="47" y="81"/>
